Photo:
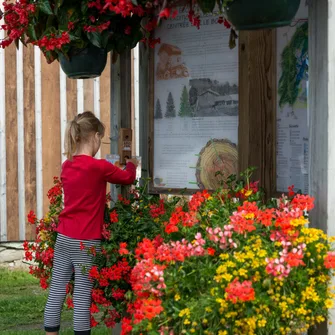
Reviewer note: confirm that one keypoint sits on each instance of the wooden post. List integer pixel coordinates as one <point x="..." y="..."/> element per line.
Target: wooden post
<point x="120" y="112"/>
<point x="322" y="121"/>
<point x="257" y="105"/>
<point x="145" y="92"/>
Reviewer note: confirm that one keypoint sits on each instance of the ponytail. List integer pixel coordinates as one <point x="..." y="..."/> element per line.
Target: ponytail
<point x="79" y="130"/>
<point x="72" y="136"/>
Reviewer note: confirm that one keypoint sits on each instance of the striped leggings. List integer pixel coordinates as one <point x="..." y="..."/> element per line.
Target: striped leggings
<point x="68" y="258"/>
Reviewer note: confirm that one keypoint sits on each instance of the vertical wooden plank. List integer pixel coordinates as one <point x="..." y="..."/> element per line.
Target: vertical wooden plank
<point x="3" y="195"/>
<point x="63" y="109"/>
<point x="11" y="146"/>
<point x="105" y="98"/>
<point x="89" y="95"/>
<point x="132" y="99"/>
<point x="145" y="96"/>
<point x="244" y="92"/>
<point x="29" y="135"/>
<point x="50" y="124"/>
<point x="71" y="98"/>
<point x="258" y="92"/>
<point x="38" y="131"/>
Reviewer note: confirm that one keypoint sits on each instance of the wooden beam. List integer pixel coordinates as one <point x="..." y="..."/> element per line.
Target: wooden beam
<point x="145" y="92"/>
<point x="257" y="105"/>
<point x="321" y="100"/>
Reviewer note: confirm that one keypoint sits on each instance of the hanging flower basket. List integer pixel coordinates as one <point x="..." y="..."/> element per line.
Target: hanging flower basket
<point x="261" y="14"/>
<point x="84" y="63"/>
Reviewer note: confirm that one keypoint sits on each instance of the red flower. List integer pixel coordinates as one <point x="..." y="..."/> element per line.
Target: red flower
<point x="93" y="250"/>
<point x="94" y="308"/>
<point x="123" y="249"/>
<point x="82" y="246"/>
<point x="28" y="256"/>
<point x="329" y="260"/>
<point x="303" y="202"/>
<point x="227" y="24"/>
<point x="32" y="217"/>
<point x="70" y="26"/>
<point x="44" y="283"/>
<point x="118" y="294"/>
<point x="94" y="272"/>
<point x="157" y="210"/>
<point x="94" y="323"/>
<point x="295" y="259"/>
<point x="114" y="216"/>
<point x="165" y="13"/>
<point x="237" y="291"/>
<point x="291" y="192"/>
<point x="195" y="20"/>
<point x="69" y="303"/>
<point x="211" y="251"/>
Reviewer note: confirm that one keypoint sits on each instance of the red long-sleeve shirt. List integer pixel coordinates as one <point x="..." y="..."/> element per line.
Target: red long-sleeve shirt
<point x="84" y="182"/>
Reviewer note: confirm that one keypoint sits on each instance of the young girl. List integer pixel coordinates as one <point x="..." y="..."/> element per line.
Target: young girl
<point x="84" y="181"/>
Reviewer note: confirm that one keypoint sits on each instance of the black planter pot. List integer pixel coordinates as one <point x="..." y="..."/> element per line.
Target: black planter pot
<point x="261" y="14"/>
<point x="85" y="63"/>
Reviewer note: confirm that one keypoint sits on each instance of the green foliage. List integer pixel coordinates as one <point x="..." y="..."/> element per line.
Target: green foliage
<point x="158" y="110"/>
<point x="170" y="107"/>
<point x="296" y="51"/>
<point x="185" y="107"/>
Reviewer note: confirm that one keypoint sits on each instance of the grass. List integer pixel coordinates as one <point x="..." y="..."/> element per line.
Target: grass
<point x="22" y="304"/>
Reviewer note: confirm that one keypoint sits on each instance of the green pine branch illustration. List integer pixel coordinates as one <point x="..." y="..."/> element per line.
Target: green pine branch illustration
<point x="292" y="71"/>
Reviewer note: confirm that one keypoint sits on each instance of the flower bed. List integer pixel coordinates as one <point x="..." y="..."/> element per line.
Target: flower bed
<point x="222" y="263"/>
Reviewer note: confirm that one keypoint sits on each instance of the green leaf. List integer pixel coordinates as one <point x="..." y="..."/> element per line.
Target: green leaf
<point x="104" y="38"/>
<point x="31" y="32"/>
<point x="206" y="6"/>
<point x="45" y="7"/>
<point x="84" y="7"/>
<point x="95" y="38"/>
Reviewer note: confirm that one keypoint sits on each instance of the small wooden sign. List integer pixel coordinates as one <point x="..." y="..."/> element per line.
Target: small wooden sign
<point x="125" y="144"/>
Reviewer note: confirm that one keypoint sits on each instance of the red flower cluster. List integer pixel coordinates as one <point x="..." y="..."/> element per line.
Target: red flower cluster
<point x="53" y="42"/>
<point x="16" y="20"/>
<point x="194" y="19"/>
<point x="118" y="271"/>
<point x="100" y="28"/>
<point x="167" y="13"/>
<point x="123" y="249"/>
<point x="124" y="8"/>
<point x="240" y="292"/>
<point x="32" y="217"/>
<point x="114" y="216"/>
<point x="55" y="191"/>
<point x="329" y="260"/>
<point x="157" y="210"/>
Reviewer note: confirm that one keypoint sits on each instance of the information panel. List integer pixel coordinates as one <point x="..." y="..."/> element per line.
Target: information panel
<point x="292" y="111"/>
<point x="195" y="104"/>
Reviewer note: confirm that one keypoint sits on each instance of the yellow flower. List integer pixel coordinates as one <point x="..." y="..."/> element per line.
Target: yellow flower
<point x="298" y="222"/>
<point x="192" y="330"/>
<point x="177" y="297"/>
<point x="329" y="303"/>
<point x="261" y="323"/>
<point x="208" y="310"/>
<point x="248" y="193"/>
<point x="187" y="322"/>
<point x="320" y="319"/>
<point x="223" y="332"/>
<point x="243" y="273"/>
<point x="185" y="311"/>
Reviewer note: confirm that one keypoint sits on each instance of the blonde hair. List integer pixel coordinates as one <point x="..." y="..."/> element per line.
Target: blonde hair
<point x="80" y="130"/>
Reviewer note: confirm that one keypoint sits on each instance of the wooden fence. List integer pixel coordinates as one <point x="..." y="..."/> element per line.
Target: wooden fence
<point x="36" y="101"/>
